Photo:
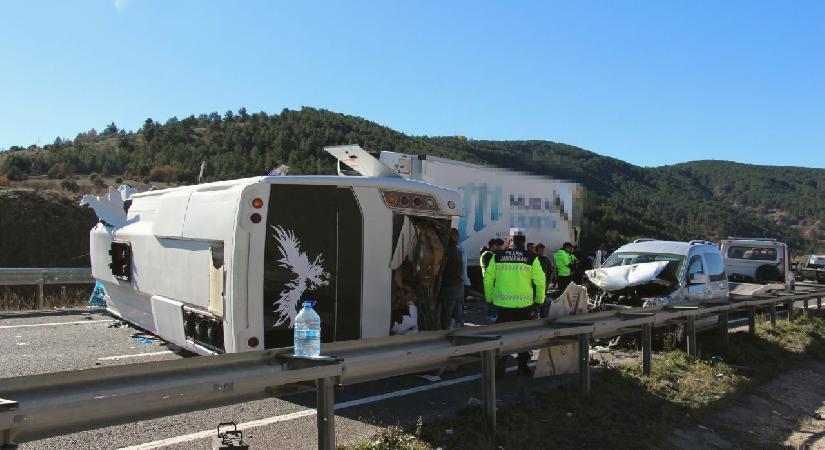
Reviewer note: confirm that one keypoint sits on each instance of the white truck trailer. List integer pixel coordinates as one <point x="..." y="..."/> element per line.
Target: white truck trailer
<point x="223" y="267"/>
<point x="494" y="199"/>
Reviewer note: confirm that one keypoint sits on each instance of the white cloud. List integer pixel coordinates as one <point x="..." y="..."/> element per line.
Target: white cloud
<point x="120" y="5"/>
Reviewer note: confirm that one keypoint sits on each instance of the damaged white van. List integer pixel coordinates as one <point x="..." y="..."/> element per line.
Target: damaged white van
<point x="649" y="272"/>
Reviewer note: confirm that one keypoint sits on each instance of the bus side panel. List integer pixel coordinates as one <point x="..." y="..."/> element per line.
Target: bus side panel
<point x="303" y="261"/>
<point x="376" y="300"/>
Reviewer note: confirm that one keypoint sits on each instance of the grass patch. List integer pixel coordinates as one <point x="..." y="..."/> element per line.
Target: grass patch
<point x="771" y="350"/>
<point x="22" y="298"/>
<point x="392" y="438"/>
<point x="626" y="408"/>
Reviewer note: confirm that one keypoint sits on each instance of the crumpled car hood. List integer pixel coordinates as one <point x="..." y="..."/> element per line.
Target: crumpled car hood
<point x="620" y="277"/>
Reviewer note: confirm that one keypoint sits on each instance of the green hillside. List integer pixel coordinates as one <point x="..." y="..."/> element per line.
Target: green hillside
<point x="696" y="200"/>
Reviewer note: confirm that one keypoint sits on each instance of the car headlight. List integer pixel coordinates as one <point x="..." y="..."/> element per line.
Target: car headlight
<point x="656" y="301"/>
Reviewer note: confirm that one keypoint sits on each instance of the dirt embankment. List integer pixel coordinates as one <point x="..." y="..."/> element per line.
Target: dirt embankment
<point x="786" y="412"/>
<point x="43" y="229"/>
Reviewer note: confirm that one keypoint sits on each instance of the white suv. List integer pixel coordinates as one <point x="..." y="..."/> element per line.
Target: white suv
<point x="649" y="272"/>
<point x="763" y="261"/>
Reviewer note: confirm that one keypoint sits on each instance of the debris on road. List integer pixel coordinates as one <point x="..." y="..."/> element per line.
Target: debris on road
<point x="229" y="439"/>
<point x="430" y="378"/>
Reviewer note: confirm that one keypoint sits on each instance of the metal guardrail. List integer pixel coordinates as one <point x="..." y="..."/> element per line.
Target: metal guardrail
<point x="44" y="276"/>
<point x="48" y="405"/>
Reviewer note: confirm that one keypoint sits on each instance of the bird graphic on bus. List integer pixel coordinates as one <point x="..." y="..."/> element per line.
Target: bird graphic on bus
<point x="308" y="275"/>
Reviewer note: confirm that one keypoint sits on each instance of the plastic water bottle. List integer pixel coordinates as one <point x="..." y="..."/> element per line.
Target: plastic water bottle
<point x="307" y="337"/>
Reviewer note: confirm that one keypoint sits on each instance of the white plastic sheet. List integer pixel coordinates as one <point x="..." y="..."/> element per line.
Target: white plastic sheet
<point x="409" y="322"/>
<point x="563" y="359"/>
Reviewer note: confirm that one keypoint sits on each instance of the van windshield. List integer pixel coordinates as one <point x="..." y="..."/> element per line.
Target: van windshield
<point x="752" y="253"/>
<point x="674" y="266"/>
<point x="624" y="259"/>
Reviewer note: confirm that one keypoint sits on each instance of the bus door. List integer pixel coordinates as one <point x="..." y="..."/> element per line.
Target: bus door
<point x="313" y="251"/>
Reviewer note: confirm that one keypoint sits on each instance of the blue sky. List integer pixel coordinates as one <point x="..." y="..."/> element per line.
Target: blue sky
<point x="651" y="83"/>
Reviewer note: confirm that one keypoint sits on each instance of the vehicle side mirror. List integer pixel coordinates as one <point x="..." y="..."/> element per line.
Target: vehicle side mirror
<point x="699" y="278"/>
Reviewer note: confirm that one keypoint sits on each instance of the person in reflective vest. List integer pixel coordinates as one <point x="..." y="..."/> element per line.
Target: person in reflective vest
<point x="515" y="283"/>
<point x="487" y="253"/>
<point x="564" y="260"/>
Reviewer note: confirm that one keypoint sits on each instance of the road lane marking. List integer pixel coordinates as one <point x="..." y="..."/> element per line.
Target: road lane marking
<point x="138" y="355"/>
<point x="308" y="412"/>
<point x="51" y="324"/>
<point x="209" y="433"/>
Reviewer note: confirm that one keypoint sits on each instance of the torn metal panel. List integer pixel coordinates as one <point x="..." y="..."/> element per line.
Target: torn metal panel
<point x="620" y="277"/>
<point x="109" y="208"/>
<point x="405" y="245"/>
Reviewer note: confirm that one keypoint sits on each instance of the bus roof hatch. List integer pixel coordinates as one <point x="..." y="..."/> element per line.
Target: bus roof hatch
<point x="361" y="161"/>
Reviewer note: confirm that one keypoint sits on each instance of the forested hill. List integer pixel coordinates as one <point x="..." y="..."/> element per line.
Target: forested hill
<point x="696" y="200"/>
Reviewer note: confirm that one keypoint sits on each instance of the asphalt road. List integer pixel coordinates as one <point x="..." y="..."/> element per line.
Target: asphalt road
<point x="49" y="342"/>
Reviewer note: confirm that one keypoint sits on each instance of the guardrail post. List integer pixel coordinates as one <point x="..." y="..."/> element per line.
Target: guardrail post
<point x="773" y="314"/>
<point x="789" y="305"/>
<point x="7" y="440"/>
<point x="7" y="435"/>
<point x="723" y="327"/>
<point x="691" y="335"/>
<point x="805" y="307"/>
<point x="818" y="304"/>
<point x="752" y="319"/>
<point x="325" y="405"/>
<point x="40" y="285"/>
<point x="647" y="344"/>
<point x="584" y="363"/>
<point x="488" y="388"/>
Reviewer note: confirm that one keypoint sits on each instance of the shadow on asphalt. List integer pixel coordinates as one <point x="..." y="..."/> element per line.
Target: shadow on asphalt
<point x="439" y="402"/>
<point x="52" y="313"/>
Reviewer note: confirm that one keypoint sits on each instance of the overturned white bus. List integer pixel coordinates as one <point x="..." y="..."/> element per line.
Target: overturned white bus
<point x="223" y="267"/>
